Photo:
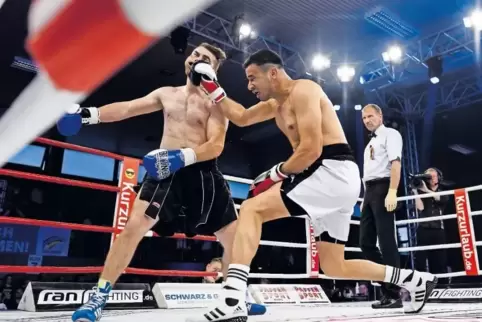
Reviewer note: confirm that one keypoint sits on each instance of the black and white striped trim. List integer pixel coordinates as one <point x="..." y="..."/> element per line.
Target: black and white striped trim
<point x="238" y="274"/>
<point x="214" y="314"/>
<point x="395" y="276"/>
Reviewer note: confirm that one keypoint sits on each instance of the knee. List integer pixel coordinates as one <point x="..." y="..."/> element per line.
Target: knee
<point x="249" y="208"/>
<point x="137" y="225"/>
<point x="333" y="268"/>
<point x="226" y="236"/>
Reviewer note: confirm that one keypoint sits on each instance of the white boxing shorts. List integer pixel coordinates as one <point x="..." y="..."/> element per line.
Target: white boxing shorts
<point x="327" y="192"/>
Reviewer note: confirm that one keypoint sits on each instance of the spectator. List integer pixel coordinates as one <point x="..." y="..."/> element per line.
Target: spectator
<point x="431" y="232"/>
<point x="214" y="266"/>
<point x="8" y="295"/>
<point x="18" y="296"/>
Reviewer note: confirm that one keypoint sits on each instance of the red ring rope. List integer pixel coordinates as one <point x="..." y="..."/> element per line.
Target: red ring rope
<point x="81" y="227"/>
<point x="79" y="148"/>
<point x="98" y="269"/>
<point x="64" y="181"/>
<point x="90" y="228"/>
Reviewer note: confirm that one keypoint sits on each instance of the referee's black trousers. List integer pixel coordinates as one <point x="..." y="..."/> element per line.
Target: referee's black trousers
<point x="376" y="222"/>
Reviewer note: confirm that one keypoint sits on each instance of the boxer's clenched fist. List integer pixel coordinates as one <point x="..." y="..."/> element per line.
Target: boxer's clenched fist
<point x="71" y="122"/>
<point x="161" y="163"/>
<point x="266" y="179"/>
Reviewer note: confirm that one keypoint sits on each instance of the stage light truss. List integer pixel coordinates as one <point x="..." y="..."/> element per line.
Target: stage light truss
<point x="220" y="31"/>
<point x="451" y="95"/>
<point x="453" y="44"/>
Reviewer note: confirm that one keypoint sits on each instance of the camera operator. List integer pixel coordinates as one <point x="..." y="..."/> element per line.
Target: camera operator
<point x="430" y="232"/>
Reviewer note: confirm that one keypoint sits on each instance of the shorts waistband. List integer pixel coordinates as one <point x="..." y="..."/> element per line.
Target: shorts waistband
<point x="205" y="165"/>
<point x="340" y="152"/>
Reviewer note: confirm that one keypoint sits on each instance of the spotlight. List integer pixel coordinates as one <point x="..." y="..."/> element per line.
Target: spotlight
<point x="179" y="38"/>
<point x="345" y="73"/>
<point x="474" y="20"/>
<point x="244" y="30"/>
<point x="336" y="107"/>
<point x="320" y="62"/>
<point x="358" y="107"/>
<point x="393" y="54"/>
<point x="435" y="68"/>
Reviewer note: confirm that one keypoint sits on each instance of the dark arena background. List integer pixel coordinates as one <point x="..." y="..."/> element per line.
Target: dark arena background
<point x="419" y="60"/>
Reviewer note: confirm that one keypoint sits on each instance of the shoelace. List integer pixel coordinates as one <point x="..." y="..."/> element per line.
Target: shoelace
<point x="96" y="301"/>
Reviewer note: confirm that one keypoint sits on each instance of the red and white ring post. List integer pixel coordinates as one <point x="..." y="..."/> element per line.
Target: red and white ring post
<point x="78" y="44"/>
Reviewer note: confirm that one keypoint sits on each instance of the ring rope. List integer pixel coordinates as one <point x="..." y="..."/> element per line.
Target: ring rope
<point x="70" y="146"/>
<point x="104" y="187"/>
<point x="64" y="181"/>
<point x="105" y="229"/>
<point x="444" y="217"/>
<point x="92" y="228"/>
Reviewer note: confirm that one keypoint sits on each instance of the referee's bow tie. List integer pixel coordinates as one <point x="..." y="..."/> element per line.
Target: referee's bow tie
<point x="372" y="135"/>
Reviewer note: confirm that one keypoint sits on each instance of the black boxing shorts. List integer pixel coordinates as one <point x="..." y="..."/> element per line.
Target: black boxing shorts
<point x="198" y="192"/>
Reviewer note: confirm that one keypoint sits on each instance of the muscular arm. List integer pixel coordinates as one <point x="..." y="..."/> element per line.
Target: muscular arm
<point x="123" y="110"/>
<point x="306" y="97"/>
<point x="217" y="126"/>
<point x="240" y="116"/>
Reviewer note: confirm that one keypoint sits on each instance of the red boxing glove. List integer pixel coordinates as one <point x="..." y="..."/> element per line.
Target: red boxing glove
<point x="209" y="82"/>
<point x="266" y="179"/>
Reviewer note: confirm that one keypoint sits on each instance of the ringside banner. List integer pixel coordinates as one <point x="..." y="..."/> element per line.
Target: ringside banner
<point x="288" y="294"/>
<point x="39" y="296"/>
<point x="452" y="295"/>
<point x="127" y="195"/>
<point x="466" y="229"/>
<point x="185" y="295"/>
<point x="190" y="295"/>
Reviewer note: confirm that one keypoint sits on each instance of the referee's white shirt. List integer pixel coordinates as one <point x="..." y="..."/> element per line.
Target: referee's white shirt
<point x="384" y="147"/>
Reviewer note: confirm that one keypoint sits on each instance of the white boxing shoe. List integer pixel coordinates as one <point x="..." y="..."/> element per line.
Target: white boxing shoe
<point x="420" y="285"/>
<point x="231" y="308"/>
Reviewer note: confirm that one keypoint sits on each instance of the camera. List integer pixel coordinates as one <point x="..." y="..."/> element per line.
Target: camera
<point x="416" y="180"/>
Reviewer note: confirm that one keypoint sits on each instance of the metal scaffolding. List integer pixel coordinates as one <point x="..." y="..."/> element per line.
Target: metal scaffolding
<point x="222" y="32"/>
<point x="410" y="165"/>
<point x="454" y="44"/>
<point x="411" y="102"/>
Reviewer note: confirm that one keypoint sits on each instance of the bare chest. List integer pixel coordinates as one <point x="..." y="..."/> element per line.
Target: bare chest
<point x="286" y="121"/>
<point x="190" y="110"/>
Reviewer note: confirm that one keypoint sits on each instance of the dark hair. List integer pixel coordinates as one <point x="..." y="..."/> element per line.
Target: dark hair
<point x="263" y="57"/>
<point x="216" y="51"/>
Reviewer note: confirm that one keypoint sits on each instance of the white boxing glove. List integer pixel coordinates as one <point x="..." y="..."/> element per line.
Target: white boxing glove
<point x="203" y="75"/>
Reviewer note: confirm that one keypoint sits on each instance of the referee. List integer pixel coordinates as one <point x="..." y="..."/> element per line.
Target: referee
<point x="381" y="176"/>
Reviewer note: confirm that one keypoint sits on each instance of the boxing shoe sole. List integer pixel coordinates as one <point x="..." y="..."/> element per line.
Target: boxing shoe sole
<point x="430" y="285"/>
